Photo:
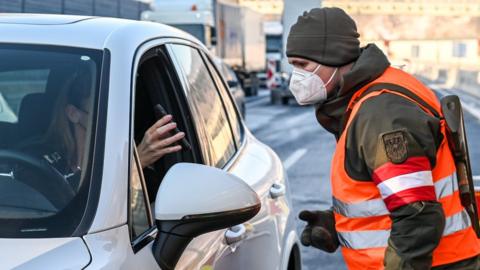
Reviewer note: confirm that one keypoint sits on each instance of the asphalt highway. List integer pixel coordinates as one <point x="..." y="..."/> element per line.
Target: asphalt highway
<point x="306" y="150"/>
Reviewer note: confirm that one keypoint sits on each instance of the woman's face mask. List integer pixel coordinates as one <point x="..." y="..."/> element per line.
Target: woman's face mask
<point x="307" y="87"/>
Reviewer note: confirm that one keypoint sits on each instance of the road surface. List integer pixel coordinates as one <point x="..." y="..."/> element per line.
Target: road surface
<point x="306" y="150"/>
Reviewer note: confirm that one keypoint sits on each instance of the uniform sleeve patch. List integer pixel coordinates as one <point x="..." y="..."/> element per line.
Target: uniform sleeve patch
<point x="395" y="146"/>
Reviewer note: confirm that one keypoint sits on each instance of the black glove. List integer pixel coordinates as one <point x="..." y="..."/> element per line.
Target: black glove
<point x="320" y="231"/>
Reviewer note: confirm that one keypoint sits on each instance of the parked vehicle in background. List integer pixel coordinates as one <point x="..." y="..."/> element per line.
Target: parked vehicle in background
<point x="232" y="32"/>
<point x="276" y="80"/>
<point x="222" y="204"/>
<point x="291" y="10"/>
<point x="281" y="93"/>
<point x="273" y="31"/>
<point x="233" y="85"/>
<point x="265" y="81"/>
<point x="262" y="78"/>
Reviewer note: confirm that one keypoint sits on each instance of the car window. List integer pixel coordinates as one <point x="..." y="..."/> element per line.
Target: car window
<point x="48" y="101"/>
<point x="155" y="84"/>
<point x="228" y="102"/>
<point x="206" y="104"/>
<point x="139" y="212"/>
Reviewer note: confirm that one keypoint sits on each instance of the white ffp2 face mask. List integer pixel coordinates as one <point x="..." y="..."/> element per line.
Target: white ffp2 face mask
<point x="307" y="87"/>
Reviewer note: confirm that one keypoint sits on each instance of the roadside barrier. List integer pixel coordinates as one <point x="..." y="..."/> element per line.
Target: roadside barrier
<point x="455" y="78"/>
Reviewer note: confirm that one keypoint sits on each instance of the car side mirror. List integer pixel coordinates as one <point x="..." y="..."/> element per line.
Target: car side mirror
<point x="194" y="199"/>
<point x="232" y="84"/>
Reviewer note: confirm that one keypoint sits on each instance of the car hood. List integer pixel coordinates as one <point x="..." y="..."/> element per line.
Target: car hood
<point x="52" y="253"/>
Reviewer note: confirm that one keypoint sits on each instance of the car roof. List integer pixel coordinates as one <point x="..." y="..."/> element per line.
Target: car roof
<point x="81" y="31"/>
<point x="40" y="19"/>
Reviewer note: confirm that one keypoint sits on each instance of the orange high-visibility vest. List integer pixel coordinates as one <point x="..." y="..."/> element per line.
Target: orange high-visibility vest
<point x="361" y="216"/>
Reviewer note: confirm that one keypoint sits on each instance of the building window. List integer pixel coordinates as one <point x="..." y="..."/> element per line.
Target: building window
<point x="459" y="49"/>
<point x="415" y="51"/>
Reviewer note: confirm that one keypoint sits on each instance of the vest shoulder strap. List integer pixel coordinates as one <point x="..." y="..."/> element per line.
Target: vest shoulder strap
<point x="392" y="87"/>
<point x="402" y="90"/>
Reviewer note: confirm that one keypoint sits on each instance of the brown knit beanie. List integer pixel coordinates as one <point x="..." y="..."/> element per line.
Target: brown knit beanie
<point x="325" y="35"/>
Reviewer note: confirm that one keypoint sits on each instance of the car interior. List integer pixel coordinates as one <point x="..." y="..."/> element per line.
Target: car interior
<point x="30" y="84"/>
<point x="33" y="101"/>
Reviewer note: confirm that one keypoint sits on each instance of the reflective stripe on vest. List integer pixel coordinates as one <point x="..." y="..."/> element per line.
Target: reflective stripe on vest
<point x="459" y="221"/>
<point x="368" y="208"/>
<point x="376" y="207"/>
<point x="364" y="239"/>
<point x="379" y="238"/>
<point x="446" y="186"/>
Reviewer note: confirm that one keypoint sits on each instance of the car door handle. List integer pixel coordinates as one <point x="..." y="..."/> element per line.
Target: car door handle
<point x="235" y="234"/>
<point x="277" y="190"/>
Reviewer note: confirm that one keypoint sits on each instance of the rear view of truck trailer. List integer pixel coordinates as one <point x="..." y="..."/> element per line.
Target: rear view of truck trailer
<point x="291" y="10"/>
<point x="231" y="32"/>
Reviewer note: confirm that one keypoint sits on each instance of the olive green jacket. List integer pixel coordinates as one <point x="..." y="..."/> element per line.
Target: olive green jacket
<point x="417" y="227"/>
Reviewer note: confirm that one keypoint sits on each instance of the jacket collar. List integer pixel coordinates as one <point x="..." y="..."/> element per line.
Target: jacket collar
<point x="370" y="65"/>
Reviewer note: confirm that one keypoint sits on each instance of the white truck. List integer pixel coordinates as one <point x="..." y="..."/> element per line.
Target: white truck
<point x="291" y="10"/>
<point x="232" y="32"/>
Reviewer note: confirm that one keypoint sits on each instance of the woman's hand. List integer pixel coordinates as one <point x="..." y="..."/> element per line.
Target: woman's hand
<point x="157" y="141"/>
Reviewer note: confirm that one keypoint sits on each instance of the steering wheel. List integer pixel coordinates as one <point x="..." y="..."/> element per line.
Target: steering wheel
<point x="55" y="188"/>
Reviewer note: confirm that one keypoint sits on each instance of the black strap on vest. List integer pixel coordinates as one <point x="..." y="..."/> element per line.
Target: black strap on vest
<point x="394" y="88"/>
<point x="401" y="90"/>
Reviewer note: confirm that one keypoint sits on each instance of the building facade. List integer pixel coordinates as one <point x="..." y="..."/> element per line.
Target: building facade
<point x="130" y="9"/>
<point x="271" y="9"/>
<point x="408" y="7"/>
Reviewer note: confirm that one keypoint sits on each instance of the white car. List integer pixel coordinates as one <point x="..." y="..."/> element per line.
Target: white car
<point x="72" y="191"/>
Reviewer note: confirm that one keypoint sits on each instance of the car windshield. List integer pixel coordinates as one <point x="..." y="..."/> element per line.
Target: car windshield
<point x="47" y="98"/>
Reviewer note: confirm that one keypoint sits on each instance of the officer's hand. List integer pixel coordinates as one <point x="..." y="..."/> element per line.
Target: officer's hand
<point x="158" y="141"/>
<point x="320" y="230"/>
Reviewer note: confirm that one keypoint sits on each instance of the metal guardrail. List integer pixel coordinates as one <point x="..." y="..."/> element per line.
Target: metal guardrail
<point x="424" y="8"/>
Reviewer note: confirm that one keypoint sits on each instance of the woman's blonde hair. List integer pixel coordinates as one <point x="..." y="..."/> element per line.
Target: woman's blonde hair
<point x="60" y="132"/>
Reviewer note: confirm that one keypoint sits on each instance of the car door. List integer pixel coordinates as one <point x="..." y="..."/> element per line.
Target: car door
<point x="255" y="244"/>
<point x="269" y="174"/>
<point x="204" y="249"/>
<point x="130" y="246"/>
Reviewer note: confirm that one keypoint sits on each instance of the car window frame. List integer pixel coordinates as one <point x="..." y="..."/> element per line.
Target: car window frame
<point x="184" y="118"/>
<point x="185" y="85"/>
<point x="180" y="93"/>
<point x="99" y="138"/>
<point x="200" y="132"/>
<point x="145" y="237"/>
<point x="142" y="53"/>
<point x="148" y="236"/>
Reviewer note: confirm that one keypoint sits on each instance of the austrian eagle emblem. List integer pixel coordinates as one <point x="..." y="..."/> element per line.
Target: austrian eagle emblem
<point x="395" y="146"/>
